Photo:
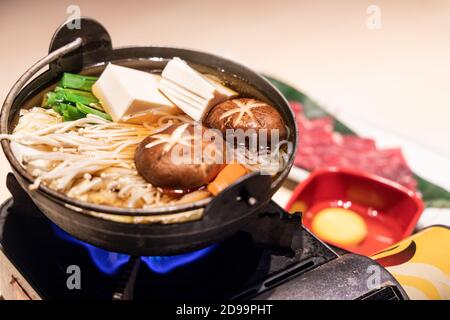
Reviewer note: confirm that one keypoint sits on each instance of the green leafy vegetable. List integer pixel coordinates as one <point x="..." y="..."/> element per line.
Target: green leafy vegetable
<point x="77" y="81"/>
<point x="69" y="112"/>
<point x="73" y="98"/>
<point x="86" y="94"/>
<point x="72" y="113"/>
<point x="51" y="99"/>
<point x="86" y="110"/>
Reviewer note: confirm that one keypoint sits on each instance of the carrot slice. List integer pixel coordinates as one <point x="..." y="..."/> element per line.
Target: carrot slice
<point x="226" y="176"/>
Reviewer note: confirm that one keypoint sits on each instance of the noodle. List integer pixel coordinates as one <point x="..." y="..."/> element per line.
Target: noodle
<point x="89" y="159"/>
<point x="92" y="159"/>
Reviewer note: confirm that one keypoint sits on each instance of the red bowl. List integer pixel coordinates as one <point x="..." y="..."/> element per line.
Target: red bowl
<point x="390" y="210"/>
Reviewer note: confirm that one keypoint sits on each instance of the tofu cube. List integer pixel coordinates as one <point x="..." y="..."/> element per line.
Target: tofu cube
<point x="191" y="91"/>
<point x="131" y="95"/>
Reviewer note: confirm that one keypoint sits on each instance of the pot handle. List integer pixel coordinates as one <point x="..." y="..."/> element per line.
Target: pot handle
<point x="246" y="194"/>
<point x="96" y="42"/>
<point x="277" y="230"/>
<point x="68" y="49"/>
<point x="23" y="80"/>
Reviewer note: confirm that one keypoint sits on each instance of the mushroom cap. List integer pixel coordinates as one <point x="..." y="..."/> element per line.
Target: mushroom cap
<point x="168" y="160"/>
<point x="246" y="114"/>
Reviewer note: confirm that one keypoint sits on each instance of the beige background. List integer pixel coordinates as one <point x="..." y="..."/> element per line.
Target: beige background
<point x="396" y="77"/>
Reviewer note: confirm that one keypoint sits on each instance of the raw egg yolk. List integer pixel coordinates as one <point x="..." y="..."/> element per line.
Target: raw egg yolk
<point x="339" y="226"/>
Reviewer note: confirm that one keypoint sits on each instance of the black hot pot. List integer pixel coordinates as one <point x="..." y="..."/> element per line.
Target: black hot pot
<point x="88" y="49"/>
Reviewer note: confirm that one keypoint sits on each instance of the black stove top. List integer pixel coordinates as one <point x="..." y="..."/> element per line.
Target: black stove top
<point x="234" y="268"/>
<point x="275" y="257"/>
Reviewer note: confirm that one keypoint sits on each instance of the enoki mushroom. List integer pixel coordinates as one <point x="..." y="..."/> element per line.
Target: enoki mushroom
<point x="92" y="159"/>
<point x="89" y="159"/>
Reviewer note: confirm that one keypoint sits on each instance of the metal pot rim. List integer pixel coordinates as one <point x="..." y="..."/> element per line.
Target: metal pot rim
<point x="82" y="205"/>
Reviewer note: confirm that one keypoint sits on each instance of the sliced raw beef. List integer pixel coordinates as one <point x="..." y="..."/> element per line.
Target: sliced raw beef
<point x="320" y="146"/>
<point x="356" y="143"/>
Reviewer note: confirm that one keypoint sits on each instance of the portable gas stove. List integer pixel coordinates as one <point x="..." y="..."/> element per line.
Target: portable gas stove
<point x="274" y="258"/>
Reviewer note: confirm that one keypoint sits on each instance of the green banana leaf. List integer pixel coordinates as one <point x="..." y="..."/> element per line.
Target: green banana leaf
<point x="433" y="195"/>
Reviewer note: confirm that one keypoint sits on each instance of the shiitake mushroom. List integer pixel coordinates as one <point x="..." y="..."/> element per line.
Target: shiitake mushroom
<point x="154" y="159"/>
<point x="246" y="114"/>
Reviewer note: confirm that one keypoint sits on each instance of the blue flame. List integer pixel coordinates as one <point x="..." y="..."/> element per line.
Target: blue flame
<point x="106" y="261"/>
<point x="165" y="264"/>
<point x="110" y="262"/>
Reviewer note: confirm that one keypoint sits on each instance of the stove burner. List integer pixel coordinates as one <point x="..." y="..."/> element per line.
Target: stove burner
<point x="111" y="262"/>
<point x="107" y="262"/>
<point x="165" y="264"/>
<point x="264" y="260"/>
